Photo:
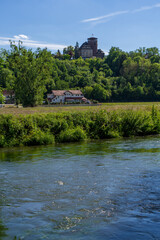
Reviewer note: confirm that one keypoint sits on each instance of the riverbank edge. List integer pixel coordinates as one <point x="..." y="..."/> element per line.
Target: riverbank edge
<point x="45" y="129"/>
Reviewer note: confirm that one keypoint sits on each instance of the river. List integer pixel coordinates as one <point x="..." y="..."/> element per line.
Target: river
<point x="97" y="190"/>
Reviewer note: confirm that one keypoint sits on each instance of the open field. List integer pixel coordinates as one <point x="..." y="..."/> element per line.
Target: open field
<point x="106" y="106"/>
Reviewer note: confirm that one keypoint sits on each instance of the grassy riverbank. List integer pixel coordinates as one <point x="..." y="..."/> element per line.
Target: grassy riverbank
<point x="41" y="129"/>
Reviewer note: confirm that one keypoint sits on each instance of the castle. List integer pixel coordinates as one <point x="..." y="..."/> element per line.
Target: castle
<point x="90" y="49"/>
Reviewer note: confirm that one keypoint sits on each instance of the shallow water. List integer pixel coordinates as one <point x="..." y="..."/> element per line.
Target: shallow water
<point x="98" y="190"/>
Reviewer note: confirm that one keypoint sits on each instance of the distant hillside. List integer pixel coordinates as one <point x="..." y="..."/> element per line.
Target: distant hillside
<point x="120" y="76"/>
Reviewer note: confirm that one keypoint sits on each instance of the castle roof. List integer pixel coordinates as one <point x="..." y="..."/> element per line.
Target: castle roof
<point x="85" y="45"/>
<point x="92" y="38"/>
<point x="100" y="51"/>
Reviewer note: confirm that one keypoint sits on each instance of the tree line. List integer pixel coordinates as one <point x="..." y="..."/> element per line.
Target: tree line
<point x="120" y="76"/>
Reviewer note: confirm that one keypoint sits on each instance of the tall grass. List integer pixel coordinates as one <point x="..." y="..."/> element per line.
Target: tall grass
<point x="44" y="129"/>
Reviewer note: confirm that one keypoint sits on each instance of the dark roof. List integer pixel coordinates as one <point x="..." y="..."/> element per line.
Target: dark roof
<point x="100" y="51"/>
<point x="85" y="45"/>
<point x="92" y="38"/>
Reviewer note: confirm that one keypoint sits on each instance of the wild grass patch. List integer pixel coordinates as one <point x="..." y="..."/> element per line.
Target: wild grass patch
<point x="42" y="129"/>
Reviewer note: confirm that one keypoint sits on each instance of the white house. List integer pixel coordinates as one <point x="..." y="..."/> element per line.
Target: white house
<point x="69" y="96"/>
<point x="9" y="96"/>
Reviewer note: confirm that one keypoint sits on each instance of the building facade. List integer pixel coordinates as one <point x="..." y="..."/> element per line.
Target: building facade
<point x="90" y="49"/>
<point x="66" y="96"/>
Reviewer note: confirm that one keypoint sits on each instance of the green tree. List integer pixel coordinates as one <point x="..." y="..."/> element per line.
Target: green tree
<point x="127" y="92"/>
<point x="58" y="55"/>
<point x="7" y="78"/>
<point x="69" y="50"/>
<point x="155" y="76"/>
<point x="76" y="51"/>
<point x="1" y="96"/>
<point x="138" y="93"/>
<point x="150" y="52"/>
<point x="115" y="60"/>
<point x="99" y="93"/>
<point x="32" y="73"/>
<point x="88" y="92"/>
<point x="61" y="85"/>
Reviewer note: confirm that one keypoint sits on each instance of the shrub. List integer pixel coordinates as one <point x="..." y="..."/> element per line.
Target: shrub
<point x="2" y="141"/>
<point x="37" y="137"/>
<point x="58" y="125"/>
<point x="43" y="129"/>
<point x="138" y="124"/>
<point x="72" y="135"/>
<point x="101" y="126"/>
<point x="130" y="123"/>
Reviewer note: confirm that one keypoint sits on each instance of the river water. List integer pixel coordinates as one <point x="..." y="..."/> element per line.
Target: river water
<point x="98" y="190"/>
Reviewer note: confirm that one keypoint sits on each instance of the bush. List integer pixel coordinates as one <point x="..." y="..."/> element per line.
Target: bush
<point x="137" y="124"/>
<point x="72" y="135"/>
<point x="45" y="129"/>
<point x="37" y="137"/>
<point x="104" y="125"/>
<point x="2" y="141"/>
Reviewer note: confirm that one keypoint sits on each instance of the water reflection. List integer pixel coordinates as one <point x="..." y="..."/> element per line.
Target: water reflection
<point x="148" y="145"/>
<point x="3" y="230"/>
<point x="94" y="190"/>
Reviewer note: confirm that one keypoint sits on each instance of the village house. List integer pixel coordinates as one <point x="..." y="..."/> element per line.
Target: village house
<point x="66" y="96"/>
<point x="9" y="96"/>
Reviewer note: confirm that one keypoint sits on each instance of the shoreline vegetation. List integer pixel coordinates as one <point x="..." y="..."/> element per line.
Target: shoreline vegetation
<point x="48" y="128"/>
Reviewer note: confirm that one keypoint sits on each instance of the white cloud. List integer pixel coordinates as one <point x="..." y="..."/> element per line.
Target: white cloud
<point x="145" y="8"/>
<point x="4" y="41"/>
<point x="157" y="5"/>
<point x="106" y="52"/>
<point x="97" y="20"/>
<point x="105" y="16"/>
<point x="44" y="45"/>
<point x="21" y="36"/>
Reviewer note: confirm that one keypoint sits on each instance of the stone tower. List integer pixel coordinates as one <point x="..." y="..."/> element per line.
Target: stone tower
<point x="90" y="49"/>
<point x="93" y="43"/>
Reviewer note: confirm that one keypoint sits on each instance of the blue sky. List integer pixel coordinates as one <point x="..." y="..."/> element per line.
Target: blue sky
<point x="54" y="24"/>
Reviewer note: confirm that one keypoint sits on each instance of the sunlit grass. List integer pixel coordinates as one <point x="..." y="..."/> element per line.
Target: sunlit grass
<point x="135" y="106"/>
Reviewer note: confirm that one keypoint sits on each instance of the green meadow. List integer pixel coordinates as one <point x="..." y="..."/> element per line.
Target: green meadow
<point x="134" y="106"/>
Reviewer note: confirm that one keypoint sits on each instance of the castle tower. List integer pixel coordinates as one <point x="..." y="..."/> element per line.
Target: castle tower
<point x="93" y="43"/>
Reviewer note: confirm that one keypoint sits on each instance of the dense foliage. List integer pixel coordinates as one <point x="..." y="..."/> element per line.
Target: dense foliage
<point x="72" y="127"/>
<point x="120" y="76"/>
<point x="1" y="96"/>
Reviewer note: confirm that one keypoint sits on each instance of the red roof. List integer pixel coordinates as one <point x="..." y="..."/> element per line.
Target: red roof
<point x="62" y="92"/>
<point x="58" y="92"/>
<point x="8" y="92"/>
<point x="75" y="91"/>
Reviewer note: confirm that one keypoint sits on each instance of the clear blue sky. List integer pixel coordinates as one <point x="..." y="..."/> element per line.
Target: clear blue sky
<point x="127" y="24"/>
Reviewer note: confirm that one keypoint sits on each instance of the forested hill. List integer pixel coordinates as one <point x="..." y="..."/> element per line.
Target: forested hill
<point x="120" y="76"/>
